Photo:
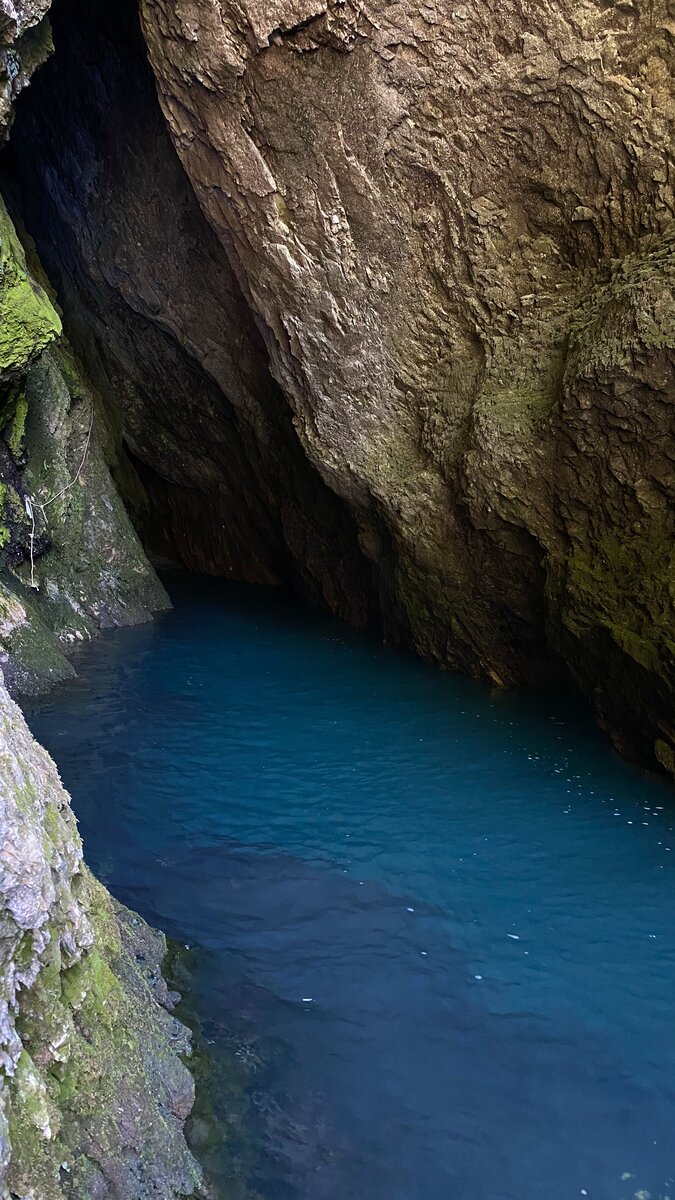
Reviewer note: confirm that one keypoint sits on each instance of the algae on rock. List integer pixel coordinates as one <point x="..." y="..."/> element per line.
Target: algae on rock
<point x="28" y="320"/>
<point x="70" y="560"/>
<point x="93" y="1092"/>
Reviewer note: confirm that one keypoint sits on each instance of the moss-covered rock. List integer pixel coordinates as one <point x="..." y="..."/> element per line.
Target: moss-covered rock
<point x="93" y="1090"/>
<point x="456" y="233"/>
<point x="70" y="560"/>
<point x="28" y="320"/>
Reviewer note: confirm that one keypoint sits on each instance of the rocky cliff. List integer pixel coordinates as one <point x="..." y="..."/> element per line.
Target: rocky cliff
<point x="93" y="1093"/>
<point x="454" y="224"/>
<point x="71" y="560"/>
<point x="370" y="298"/>
<point x="400" y="331"/>
<point x="93" y="1088"/>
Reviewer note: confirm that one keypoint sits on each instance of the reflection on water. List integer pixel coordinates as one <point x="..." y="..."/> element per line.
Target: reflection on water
<point x="434" y="923"/>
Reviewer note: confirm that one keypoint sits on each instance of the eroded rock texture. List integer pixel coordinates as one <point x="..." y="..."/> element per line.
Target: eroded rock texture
<point x="93" y="1091"/>
<point x="453" y="224"/>
<point x="70" y="561"/>
<point x="93" y="1094"/>
<point x="209" y="460"/>
<point x="401" y="333"/>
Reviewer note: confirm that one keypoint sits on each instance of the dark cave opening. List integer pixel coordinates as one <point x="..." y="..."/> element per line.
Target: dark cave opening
<point x="205" y="453"/>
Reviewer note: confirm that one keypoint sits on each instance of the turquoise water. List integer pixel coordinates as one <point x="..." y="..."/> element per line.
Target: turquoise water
<point x="435" y="922"/>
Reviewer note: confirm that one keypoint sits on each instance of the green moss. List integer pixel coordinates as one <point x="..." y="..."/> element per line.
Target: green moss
<point x="16" y="436"/>
<point x="73" y="373"/>
<point x="613" y="602"/>
<point x="114" y="1063"/>
<point x="282" y="210"/>
<point x="5" y="533"/>
<point x="89" y="982"/>
<point x="33" y="655"/>
<point x="28" y="320"/>
<point x="33" y="1126"/>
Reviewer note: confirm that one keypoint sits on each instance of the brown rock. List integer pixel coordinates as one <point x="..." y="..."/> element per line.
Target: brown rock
<point x="454" y="227"/>
<point x="419" y="362"/>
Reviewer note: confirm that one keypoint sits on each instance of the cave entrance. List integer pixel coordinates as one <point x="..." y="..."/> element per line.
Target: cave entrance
<point x="203" y="445"/>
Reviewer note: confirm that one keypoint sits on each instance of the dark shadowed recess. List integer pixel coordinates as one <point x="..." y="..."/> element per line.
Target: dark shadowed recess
<point x="207" y="457"/>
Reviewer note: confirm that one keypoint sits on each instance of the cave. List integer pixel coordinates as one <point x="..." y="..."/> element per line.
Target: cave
<point x="206" y="456"/>
<point x="295" y="395"/>
<point x="337" y="379"/>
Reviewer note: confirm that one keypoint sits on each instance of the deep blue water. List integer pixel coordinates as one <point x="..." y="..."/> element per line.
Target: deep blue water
<point x="436" y="921"/>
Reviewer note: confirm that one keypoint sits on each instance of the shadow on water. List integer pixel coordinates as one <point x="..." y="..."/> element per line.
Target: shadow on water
<point x="433" y="926"/>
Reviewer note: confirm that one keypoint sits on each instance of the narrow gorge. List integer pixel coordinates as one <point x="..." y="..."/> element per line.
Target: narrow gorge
<point x="365" y="301"/>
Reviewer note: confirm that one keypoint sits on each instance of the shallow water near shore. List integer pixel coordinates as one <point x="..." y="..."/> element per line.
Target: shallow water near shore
<point x="434" y="924"/>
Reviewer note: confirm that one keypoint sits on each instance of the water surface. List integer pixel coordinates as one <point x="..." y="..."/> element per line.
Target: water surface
<point x="433" y="923"/>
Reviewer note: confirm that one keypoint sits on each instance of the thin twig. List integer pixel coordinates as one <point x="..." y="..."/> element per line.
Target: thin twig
<point x="31" y="513"/>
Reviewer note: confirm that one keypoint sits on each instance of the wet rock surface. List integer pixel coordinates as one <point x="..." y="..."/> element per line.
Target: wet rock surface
<point x="70" y="560"/>
<point x="94" y="1092"/>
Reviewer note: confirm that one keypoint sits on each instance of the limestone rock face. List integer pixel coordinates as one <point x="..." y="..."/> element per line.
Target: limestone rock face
<point x="70" y="561"/>
<point x="93" y="1091"/>
<point x="454" y="227"/>
<point x="93" y="1095"/>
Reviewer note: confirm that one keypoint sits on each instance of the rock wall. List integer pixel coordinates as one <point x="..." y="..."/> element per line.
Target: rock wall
<point x="93" y="1093"/>
<point x="401" y="334"/>
<point x="454" y="225"/>
<point x="93" y="1089"/>
<point x="157" y="316"/>
<point x="70" y="561"/>
<point x="381" y="307"/>
<point x="25" y="43"/>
